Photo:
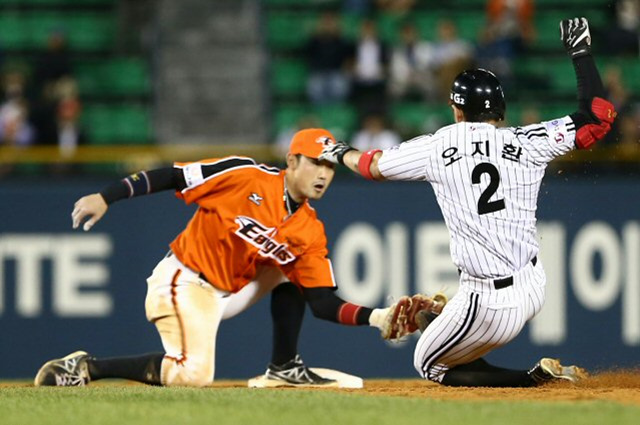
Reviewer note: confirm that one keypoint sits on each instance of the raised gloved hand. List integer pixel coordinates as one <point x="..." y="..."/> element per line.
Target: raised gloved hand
<point x="575" y="36"/>
<point x="335" y="152"/>
<point x="401" y="316"/>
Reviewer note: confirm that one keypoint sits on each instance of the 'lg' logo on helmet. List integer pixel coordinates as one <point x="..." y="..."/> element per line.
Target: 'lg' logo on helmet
<point x="457" y="98"/>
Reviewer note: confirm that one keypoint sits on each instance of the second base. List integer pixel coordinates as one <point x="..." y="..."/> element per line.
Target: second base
<point x="343" y="380"/>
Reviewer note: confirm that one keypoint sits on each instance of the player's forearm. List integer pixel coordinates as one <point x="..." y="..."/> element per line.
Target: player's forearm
<point x="358" y="162"/>
<point x="143" y="183"/>
<point x="589" y="87"/>
<point x="595" y="114"/>
<point x="589" y="81"/>
<point x="326" y="305"/>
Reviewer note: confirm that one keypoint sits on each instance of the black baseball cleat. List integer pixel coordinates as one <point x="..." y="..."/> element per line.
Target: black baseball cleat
<point x="69" y="371"/>
<point x="547" y="370"/>
<point x="294" y="373"/>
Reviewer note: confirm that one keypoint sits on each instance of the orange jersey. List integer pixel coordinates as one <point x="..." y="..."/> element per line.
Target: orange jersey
<point x="242" y="222"/>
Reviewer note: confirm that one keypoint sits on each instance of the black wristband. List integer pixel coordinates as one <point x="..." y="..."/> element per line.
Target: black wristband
<point x="341" y="155"/>
<point x="143" y="183"/>
<point x="115" y="192"/>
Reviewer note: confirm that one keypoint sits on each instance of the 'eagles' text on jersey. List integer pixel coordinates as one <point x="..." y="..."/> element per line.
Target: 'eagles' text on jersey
<point x="242" y="223"/>
<point x="486" y="181"/>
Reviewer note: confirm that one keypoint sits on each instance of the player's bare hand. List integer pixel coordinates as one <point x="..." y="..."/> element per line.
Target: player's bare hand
<point x="91" y="207"/>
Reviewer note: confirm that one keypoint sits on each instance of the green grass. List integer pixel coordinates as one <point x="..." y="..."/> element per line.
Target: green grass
<point x="122" y="404"/>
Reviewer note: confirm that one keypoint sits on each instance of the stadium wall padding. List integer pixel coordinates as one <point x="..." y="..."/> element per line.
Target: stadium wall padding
<point x="63" y="290"/>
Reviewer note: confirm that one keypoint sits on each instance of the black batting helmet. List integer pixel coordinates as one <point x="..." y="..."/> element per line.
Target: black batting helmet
<point x="478" y="93"/>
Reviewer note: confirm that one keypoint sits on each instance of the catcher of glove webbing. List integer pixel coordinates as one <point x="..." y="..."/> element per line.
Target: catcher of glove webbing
<point x="409" y="314"/>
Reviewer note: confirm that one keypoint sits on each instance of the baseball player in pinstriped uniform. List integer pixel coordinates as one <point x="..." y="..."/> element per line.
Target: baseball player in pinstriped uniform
<point x="254" y="229"/>
<point x="486" y="180"/>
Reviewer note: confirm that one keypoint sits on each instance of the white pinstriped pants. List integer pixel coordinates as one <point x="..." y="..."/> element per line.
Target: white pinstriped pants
<point x="478" y="319"/>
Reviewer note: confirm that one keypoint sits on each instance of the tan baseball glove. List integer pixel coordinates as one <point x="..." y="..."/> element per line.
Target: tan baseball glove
<point x="403" y="316"/>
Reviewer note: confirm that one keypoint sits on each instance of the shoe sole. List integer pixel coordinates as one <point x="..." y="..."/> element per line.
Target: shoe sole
<point x="50" y="362"/>
<point x="569" y="373"/>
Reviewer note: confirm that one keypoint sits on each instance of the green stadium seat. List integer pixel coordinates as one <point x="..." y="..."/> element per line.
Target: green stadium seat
<point x="127" y="77"/>
<point x="13" y="33"/>
<point x="413" y="118"/>
<point x="289" y="30"/>
<point x="305" y="3"/>
<point x="31" y="30"/>
<point x="115" y="77"/>
<point x="548" y="29"/>
<point x="117" y="124"/>
<point x="48" y="3"/>
<point x="341" y="120"/>
<point x="288" y="77"/>
<point x="288" y="116"/>
<point x="91" y="31"/>
<point x="578" y="3"/>
<point x="468" y="25"/>
<point x="545" y="112"/>
<point x="98" y="123"/>
<point x="132" y="125"/>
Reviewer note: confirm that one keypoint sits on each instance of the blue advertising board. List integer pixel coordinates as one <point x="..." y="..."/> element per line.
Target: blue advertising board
<point x="63" y="290"/>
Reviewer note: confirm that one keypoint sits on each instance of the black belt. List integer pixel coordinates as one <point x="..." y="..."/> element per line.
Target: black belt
<point x="200" y="275"/>
<point x="508" y="281"/>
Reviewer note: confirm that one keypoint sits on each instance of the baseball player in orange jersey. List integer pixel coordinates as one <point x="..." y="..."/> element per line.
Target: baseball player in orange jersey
<point x="254" y="230"/>
<point x="486" y="180"/>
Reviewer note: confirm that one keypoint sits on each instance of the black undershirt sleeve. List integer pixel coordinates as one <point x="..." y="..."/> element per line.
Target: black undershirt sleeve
<point x="325" y="304"/>
<point x="589" y="86"/>
<point x="143" y="183"/>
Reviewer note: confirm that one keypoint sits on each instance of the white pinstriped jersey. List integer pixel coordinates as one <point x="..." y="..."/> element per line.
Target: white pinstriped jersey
<point x="486" y="181"/>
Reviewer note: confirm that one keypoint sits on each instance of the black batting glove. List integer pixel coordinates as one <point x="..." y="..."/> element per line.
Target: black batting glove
<point x="335" y="153"/>
<point x="575" y="36"/>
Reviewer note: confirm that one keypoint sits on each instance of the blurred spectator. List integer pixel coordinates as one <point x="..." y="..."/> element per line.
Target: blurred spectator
<point x="370" y="69"/>
<point x="618" y="94"/>
<point x="451" y="55"/>
<point x="395" y="6"/>
<point x="53" y="64"/>
<point x="14" y="83"/>
<point x="509" y="30"/>
<point x="410" y="71"/>
<point x="327" y="54"/>
<point x="629" y="134"/>
<point x="623" y="36"/>
<point x="358" y="7"/>
<point x="46" y="114"/>
<point x="66" y="132"/>
<point x="375" y="134"/>
<point x="15" y="130"/>
<point x="529" y="115"/>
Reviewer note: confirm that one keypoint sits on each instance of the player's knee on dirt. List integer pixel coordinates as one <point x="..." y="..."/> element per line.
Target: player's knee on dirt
<point x="433" y="373"/>
<point x="186" y="372"/>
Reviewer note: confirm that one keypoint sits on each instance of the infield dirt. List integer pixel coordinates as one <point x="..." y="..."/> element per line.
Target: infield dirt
<point x="620" y="386"/>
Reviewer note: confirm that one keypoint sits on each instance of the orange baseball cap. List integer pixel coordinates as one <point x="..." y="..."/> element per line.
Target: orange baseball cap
<point x="310" y="142"/>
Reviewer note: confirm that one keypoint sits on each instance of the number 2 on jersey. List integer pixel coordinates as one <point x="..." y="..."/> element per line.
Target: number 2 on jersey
<point x="484" y="205"/>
